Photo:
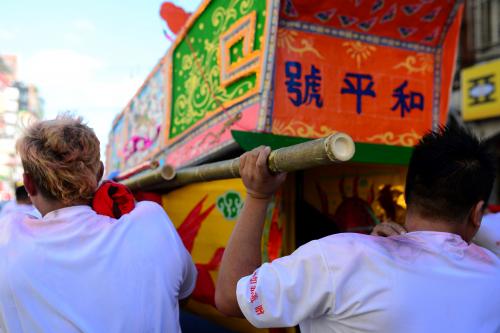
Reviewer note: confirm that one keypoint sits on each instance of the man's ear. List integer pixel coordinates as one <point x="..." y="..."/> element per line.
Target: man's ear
<point x="477" y="214"/>
<point x="100" y="173"/>
<point x="29" y="184"/>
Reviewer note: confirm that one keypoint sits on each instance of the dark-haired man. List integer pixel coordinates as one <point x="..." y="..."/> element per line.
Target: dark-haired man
<point x="21" y="205"/>
<point x="430" y="279"/>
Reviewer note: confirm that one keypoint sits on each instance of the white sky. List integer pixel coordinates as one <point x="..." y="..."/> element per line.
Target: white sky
<point x="89" y="57"/>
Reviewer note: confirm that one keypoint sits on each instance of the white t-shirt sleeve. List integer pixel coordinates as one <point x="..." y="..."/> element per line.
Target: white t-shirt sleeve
<point x="288" y="290"/>
<point x="189" y="276"/>
<point x="488" y="235"/>
<point x="188" y="272"/>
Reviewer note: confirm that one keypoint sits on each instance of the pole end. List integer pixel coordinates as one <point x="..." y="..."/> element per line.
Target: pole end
<point x="168" y="172"/>
<point x="339" y="147"/>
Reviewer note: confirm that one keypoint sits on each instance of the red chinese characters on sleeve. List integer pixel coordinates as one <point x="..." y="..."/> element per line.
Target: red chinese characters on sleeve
<point x="258" y="308"/>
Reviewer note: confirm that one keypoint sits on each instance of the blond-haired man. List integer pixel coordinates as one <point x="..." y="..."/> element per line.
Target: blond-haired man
<point x="74" y="270"/>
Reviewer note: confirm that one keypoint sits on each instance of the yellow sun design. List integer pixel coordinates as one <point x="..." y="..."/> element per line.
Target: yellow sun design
<point x="359" y="51"/>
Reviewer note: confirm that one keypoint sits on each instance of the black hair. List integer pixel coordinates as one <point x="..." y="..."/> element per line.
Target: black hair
<point x="21" y="194"/>
<point x="450" y="171"/>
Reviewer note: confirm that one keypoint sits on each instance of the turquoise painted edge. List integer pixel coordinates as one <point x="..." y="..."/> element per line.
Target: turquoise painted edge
<point x="365" y="152"/>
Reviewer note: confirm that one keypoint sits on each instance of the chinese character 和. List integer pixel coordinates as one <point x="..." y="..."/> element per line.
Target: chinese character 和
<point x="416" y="100"/>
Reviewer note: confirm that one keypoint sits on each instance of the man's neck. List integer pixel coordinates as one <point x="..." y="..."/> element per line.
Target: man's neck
<point x="48" y="207"/>
<point x="45" y="206"/>
<point x="415" y="222"/>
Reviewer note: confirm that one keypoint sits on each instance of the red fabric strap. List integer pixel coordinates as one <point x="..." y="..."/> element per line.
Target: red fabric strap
<point x="113" y="200"/>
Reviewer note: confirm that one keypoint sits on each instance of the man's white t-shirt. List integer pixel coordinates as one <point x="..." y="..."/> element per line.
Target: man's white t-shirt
<point x="77" y="271"/>
<point x="430" y="282"/>
<point x="12" y="207"/>
<point x="488" y="235"/>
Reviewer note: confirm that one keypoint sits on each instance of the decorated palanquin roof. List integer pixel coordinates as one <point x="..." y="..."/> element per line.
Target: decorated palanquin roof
<point x="137" y="131"/>
<point x="397" y="21"/>
<point x="379" y="70"/>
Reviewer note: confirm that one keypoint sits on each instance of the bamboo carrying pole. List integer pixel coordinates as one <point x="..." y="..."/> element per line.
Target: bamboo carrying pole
<point x="151" y="179"/>
<point x="338" y="147"/>
<point x="138" y="169"/>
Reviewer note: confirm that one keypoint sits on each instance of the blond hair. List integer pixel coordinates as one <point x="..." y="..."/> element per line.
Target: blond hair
<point x="62" y="156"/>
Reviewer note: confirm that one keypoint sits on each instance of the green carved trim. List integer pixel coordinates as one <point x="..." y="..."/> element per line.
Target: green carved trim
<point x="196" y="88"/>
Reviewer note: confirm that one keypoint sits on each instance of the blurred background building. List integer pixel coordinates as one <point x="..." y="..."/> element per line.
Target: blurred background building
<point x="20" y="104"/>
<point x="476" y="91"/>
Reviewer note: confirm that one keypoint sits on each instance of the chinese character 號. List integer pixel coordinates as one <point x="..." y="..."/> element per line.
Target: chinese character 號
<point x="293" y="71"/>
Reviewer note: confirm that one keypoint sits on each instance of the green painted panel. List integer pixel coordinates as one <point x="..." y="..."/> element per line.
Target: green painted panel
<point x="382" y="154"/>
<point x="365" y="152"/>
<point x="251" y="140"/>
<point x="196" y="88"/>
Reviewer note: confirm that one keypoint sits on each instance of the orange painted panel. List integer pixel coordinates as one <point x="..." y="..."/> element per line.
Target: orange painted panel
<point x="375" y="93"/>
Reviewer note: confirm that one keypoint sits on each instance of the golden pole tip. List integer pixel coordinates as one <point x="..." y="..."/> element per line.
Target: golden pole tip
<point x="168" y="172"/>
<point x="339" y="147"/>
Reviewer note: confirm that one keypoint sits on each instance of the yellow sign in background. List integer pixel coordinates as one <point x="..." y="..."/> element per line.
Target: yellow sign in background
<point x="480" y="91"/>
